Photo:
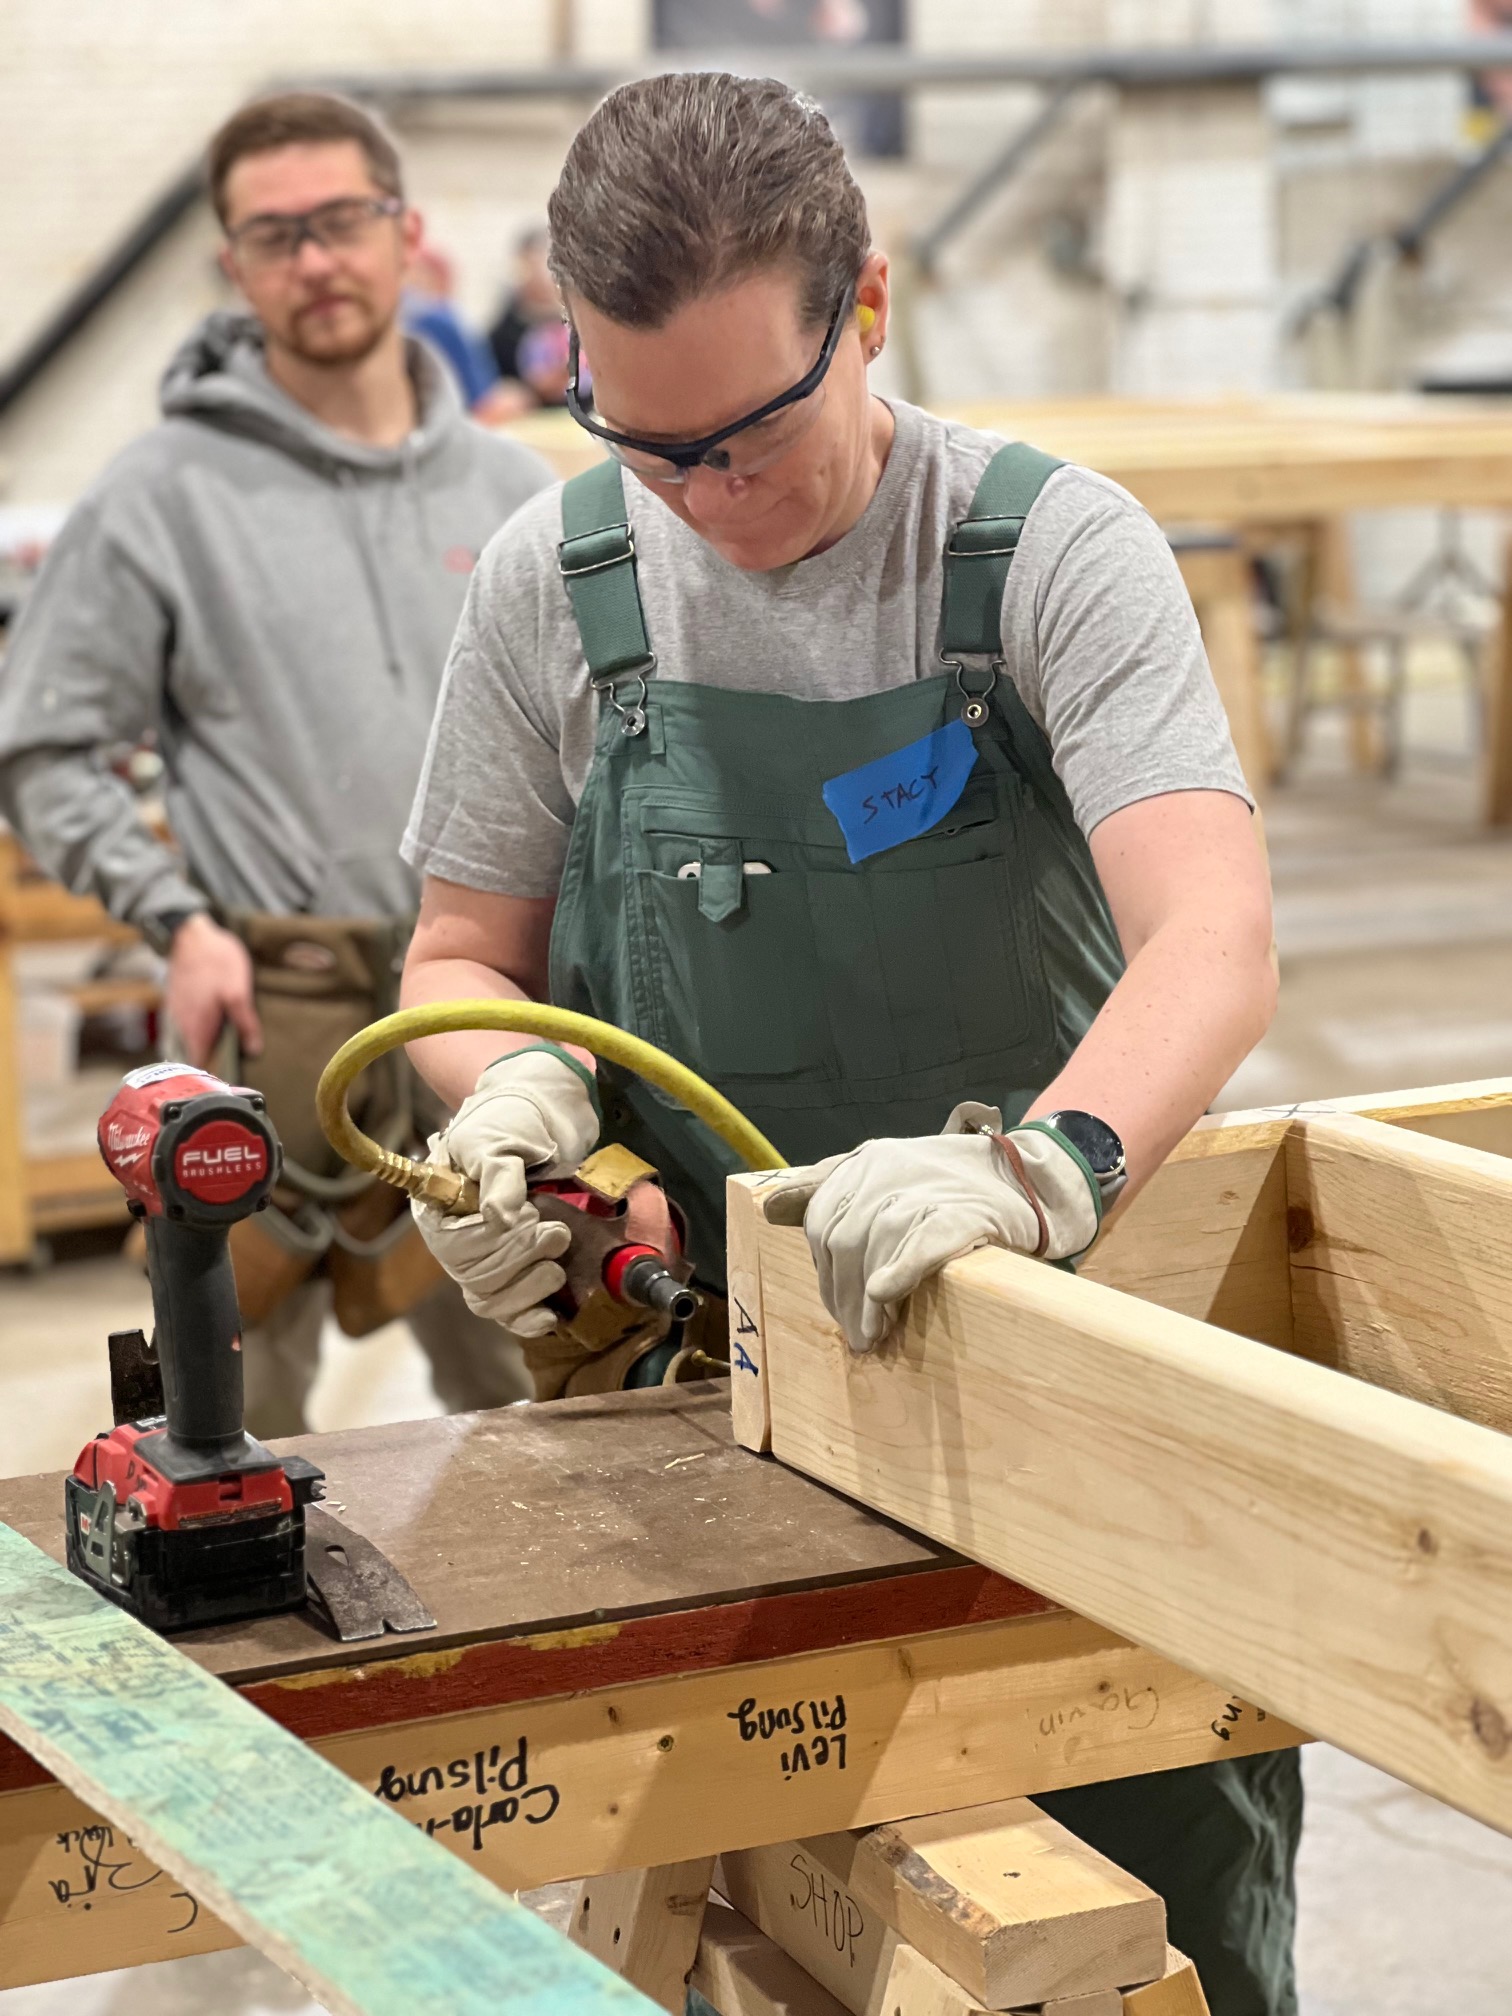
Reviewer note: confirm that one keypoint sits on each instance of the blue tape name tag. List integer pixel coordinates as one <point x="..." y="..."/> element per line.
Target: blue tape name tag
<point x="902" y="795"/>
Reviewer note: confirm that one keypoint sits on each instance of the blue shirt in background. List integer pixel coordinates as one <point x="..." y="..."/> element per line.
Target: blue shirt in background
<point x="468" y="357"/>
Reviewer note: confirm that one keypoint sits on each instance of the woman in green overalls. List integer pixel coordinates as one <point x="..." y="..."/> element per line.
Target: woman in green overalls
<point x="869" y="765"/>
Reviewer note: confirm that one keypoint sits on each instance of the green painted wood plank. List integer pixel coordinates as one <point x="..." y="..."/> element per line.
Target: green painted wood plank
<point x="370" y="1916"/>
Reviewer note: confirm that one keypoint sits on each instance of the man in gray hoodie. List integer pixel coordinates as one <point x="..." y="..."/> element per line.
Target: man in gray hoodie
<point x="269" y="581"/>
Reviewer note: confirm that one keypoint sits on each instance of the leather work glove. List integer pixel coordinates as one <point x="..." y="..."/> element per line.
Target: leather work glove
<point x="883" y="1218"/>
<point x="532" y="1115"/>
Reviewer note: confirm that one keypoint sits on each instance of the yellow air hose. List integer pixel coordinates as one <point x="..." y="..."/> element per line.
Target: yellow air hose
<point x="459" y="1194"/>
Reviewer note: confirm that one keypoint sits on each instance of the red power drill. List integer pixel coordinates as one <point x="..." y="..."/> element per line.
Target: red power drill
<point x="181" y="1517"/>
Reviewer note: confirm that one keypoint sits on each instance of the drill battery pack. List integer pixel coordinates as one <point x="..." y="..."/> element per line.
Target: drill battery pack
<point x="177" y="1552"/>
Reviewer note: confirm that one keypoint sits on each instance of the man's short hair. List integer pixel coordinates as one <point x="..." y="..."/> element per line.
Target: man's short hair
<point x="680" y="185"/>
<point x="301" y="119"/>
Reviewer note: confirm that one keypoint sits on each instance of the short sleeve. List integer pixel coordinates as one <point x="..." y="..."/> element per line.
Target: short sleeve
<point x="492" y="811"/>
<point x="1104" y="645"/>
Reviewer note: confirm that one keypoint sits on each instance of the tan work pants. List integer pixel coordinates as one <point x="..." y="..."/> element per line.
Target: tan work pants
<point x="473" y="1362"/>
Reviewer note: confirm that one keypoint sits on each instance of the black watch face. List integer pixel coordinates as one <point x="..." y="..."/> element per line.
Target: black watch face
<point x="1094" y="1138"/>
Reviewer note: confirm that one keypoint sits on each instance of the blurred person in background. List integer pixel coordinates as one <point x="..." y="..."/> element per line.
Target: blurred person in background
<point x="268" y="580"/>
<point x="529" y="340"/>
<point x="431" y="313"/>
<point x="1491" y="90"/>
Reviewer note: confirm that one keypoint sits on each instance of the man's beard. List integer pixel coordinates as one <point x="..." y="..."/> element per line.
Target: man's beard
<point x="335" y="351"/>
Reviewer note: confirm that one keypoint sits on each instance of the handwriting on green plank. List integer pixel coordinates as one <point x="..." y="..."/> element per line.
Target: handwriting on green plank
<point x="374" y="1919"/>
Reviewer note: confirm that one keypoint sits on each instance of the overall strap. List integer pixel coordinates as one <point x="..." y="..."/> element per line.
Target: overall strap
<point x="597" y="559"/>
<point x="981" y="547"/>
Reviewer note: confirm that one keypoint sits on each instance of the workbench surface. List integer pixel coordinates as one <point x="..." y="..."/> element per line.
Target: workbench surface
<point x="544" y="1518"/>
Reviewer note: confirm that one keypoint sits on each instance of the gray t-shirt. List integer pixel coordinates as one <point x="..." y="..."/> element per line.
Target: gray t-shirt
<point x="1099" y="637"/>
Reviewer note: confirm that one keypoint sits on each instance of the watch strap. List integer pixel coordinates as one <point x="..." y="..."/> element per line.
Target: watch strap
<point x="161" y="930"/>
<point x="1070" y="1147"/>
<point x="1015" y="1162"/>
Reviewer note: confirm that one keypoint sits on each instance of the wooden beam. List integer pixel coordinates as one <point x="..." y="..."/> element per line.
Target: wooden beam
<point x="666" y="1770"/>
<point x="799" y="1893"/>
<point x="1212" y="1241"/>
<point x="741" y="1972"/>
<point x="337" y="1891"/>
<point x="1337" y="1554"/>
<point x="1011" y="1904"/>
<point x="750" y="1414"/>
<point x="645" y="1924"/>
<point x="1178" y="1992"/>
<point x="1401" y="1263"/>
<point x="1206" y="1237"/>
<point x="1497" y="756"/>
<point x="1477" y="1114"/>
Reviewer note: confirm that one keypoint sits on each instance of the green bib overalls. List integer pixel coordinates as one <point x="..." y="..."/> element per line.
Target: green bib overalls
<point x="708" y="904"/>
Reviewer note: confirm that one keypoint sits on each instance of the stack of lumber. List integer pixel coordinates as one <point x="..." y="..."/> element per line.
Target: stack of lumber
<point x="994" y="1908"/>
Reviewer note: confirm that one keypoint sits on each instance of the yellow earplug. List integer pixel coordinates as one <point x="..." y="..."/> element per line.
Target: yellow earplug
<point x="866" y="317"/>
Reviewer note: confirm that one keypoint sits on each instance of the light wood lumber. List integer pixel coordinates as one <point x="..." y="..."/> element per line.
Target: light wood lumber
<point x="1100" y="2002"/>
<point x="1212" y="1242"/>
<point x="1402" y="1262"/>
<point x="1206" y="1237"/>
<point x="1336" y="1554"/>
<point x="799" y="1893"/>
<point x="1178" y="1992"/>
<point x="741" y="1972"/>
<point x="1477" y="1114"/>
<point x="749" y="1412"/>
<point x="1011" y="1904"/>
<point x="645" y="1924"/>
<point x="661" y="1771"/>
<point x="338" y="1892"/>
<point x="1497" y="759"/>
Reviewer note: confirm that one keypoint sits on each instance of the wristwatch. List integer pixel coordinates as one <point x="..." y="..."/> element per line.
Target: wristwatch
<point x="161" y="929"/>
<point x="1098" y="1146"/>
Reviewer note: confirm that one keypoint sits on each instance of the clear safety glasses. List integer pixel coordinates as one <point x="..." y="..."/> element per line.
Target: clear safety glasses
<point x="338" y="226"/>
<point x="744" y="448"/>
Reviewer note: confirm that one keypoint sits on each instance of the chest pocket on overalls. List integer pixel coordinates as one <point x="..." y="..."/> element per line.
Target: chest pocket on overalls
<point x="771" y="956"/>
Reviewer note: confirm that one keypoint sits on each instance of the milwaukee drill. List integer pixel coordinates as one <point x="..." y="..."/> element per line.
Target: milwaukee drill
<point x="179" y="1515"/>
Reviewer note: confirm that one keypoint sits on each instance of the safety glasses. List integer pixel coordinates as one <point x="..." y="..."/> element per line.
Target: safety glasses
<point x="745" y="447"/>
<point x="338" y="226"/>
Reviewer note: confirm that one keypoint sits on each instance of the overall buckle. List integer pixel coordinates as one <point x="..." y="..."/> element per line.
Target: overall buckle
<point x="974" y="707"/>
<point x="633" y="713"/>
<point x="624" y="550"/>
